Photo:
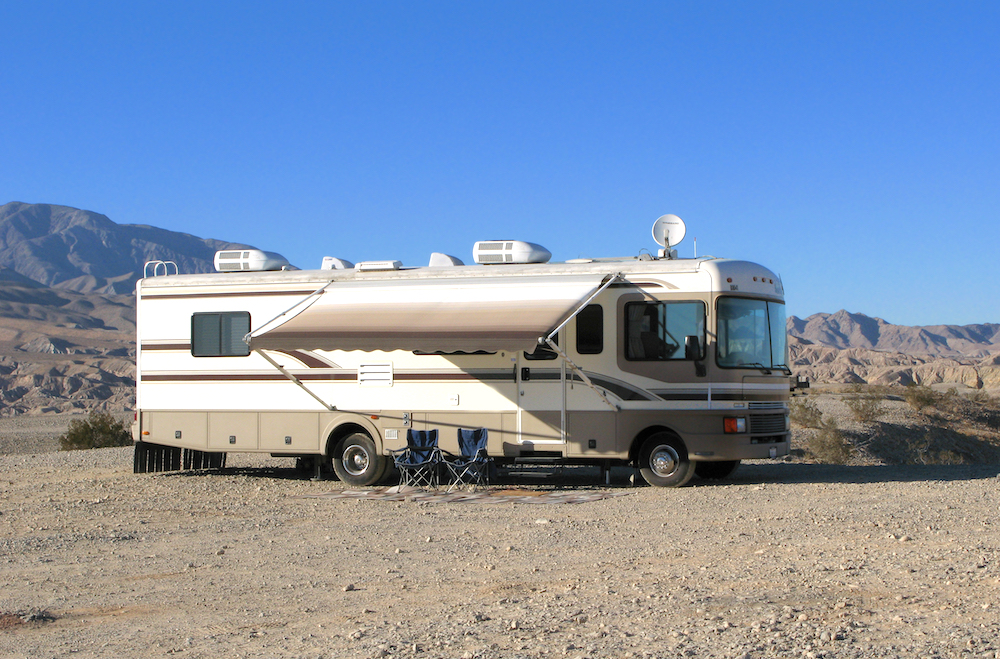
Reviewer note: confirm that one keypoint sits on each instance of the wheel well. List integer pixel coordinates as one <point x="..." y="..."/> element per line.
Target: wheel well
<point x="342" y="431"/>
<point x="633" y="453"/>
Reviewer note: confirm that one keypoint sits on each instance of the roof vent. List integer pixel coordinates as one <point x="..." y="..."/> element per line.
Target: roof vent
<point x="371" y="266"/>
<point x="439" y="260"/>
<point x="333" y="263"/>
<point x="491" y="252"/>
<point x="248" y="260"/>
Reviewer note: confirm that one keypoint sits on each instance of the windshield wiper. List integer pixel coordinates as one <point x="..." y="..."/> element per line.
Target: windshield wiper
<point x="764" y="369"/>
<point x="784" y="367"/>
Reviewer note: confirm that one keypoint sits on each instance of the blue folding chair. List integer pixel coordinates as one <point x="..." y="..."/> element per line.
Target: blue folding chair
<point x="472" y="467"/>
<point x="418" y="462"/>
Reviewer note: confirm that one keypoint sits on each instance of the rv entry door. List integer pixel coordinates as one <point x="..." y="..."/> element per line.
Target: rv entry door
<point x="541" y="394"/>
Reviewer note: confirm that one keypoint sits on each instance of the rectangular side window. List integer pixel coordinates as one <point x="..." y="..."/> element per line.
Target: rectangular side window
<point x="590" y="330"/>
<point x="655" y="331"/>
<point x="220" y="334"/>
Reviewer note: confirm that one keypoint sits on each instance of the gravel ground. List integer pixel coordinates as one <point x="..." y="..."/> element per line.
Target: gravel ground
<point x="33" y="433"/>
<point x="783" y="560"/>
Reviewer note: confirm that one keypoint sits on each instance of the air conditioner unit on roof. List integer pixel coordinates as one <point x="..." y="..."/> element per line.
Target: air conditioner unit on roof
<point x="248" y="260"/>
<point x="491" y="252"/>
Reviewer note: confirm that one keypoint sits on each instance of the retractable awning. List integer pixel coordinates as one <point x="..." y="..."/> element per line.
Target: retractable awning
<point x="466" y="314"/>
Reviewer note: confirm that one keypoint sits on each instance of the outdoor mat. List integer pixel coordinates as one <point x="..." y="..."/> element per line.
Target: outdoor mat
<point x="536" y="497"/>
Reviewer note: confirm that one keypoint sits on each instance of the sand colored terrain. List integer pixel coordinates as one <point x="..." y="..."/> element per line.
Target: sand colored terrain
<point x="785" y="559"/>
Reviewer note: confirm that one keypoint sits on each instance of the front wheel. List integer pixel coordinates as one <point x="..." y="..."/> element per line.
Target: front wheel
<point x="356" y="460"/>
<point x="663" y="461"/>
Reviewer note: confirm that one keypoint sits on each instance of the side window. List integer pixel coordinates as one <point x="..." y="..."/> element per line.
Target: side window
<point x="542" y="353"/>
<point x="590" y="330"/>
<point x="655" y="331"/>
<point x="220" y="334"/>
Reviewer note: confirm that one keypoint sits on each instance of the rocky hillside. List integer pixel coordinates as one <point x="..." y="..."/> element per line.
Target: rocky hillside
<point x="62" y="351"/>
<point x="853" y="348"/>
<point x="843" y="330"/>
<point x="83" y="251"/>
<point x="67" y="315"/>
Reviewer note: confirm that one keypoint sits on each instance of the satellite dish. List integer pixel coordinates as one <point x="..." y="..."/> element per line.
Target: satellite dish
<point x="669" y="230"/>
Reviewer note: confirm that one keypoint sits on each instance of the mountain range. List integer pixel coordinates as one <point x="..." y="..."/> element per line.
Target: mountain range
<point x="67" y="318"/>
<point x="844" y="330"/>
<point x="846" y="347"/>
<point x="83" y="251"/>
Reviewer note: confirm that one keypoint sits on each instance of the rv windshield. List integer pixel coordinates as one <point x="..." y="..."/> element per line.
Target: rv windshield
<point x="751" y="334"/>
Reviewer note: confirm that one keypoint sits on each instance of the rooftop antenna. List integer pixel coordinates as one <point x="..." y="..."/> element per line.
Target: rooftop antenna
<point x="668" y="231"/>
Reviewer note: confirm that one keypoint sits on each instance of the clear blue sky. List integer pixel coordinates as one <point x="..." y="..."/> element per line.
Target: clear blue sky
<point x="853" y="147"/>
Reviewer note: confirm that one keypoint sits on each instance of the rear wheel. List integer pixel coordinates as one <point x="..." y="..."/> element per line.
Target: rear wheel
<point x="716" y="471"/>
<point x="663" y="461"/>
<point x="356" y="460"/>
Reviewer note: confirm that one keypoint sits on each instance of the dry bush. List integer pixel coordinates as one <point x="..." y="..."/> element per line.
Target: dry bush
<point x="919" y="396"/>
<point x="829" y="446"/>
<point x="99" y="430"/>
<point x="866" y="403"/>
<point x="981" y="397"/>
<point x="805" y="413"/>
<point x="925" y="451"/>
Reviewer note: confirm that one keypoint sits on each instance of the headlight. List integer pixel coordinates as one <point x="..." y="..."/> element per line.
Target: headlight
<point x="734" y="424"/>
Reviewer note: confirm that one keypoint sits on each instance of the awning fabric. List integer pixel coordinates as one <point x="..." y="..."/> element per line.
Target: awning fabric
<point x="467" y="314"/>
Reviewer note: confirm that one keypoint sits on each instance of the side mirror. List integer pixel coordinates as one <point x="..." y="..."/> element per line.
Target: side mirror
<point x="694" y="353"/>
<point x="692" y="348"/>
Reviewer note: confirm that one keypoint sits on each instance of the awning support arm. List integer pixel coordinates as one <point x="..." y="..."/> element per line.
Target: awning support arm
<point x="550" y="339"/>
<point x="256" y="332"/>
<point x="295" y="380"/>
<point x="612" y="278"/>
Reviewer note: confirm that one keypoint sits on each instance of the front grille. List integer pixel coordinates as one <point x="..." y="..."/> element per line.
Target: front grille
<point x="767" y="423"/>
<point x="755" y="405"/>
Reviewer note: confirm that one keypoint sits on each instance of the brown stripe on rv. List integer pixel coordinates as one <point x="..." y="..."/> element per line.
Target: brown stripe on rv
<point x="637" y="284"/>
<point x="188" y="296"/>
<point x="245" y="377"/>
<point x="348" y="376"/>
<point x="748" y="396"/>
<point x="167" y="346"/>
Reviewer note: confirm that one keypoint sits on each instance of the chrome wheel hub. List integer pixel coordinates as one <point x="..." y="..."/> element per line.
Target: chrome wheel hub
<point x="356" y="460"/>
<point x="663" y="460"/>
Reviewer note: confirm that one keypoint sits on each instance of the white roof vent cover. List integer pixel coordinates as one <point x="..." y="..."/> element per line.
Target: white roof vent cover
<point x="492" y="252"/>
<point x="333" y="263"/>
<point x="440" y="260"/>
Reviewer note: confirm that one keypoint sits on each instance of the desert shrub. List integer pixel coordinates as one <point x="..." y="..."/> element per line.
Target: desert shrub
<point x="919" y="396"/>
<point x="981" y="397"/>
<point x="924" y="450"/>
<point x="98" y="430"/>
<point x="866" y="404"/>
<point x="805" y="413"/>
<point x="829" y="446"/>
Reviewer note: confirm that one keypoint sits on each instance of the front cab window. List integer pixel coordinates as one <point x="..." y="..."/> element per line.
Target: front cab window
<point x="751" y="334"/>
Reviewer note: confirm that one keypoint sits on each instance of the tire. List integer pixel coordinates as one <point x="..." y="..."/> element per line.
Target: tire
<point x="356" y="460"/>
<point x="716" y="471"/>
<point x="663" y="461"/>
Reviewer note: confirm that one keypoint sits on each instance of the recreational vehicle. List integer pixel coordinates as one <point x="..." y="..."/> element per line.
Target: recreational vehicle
<point x="676" y="366"/>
